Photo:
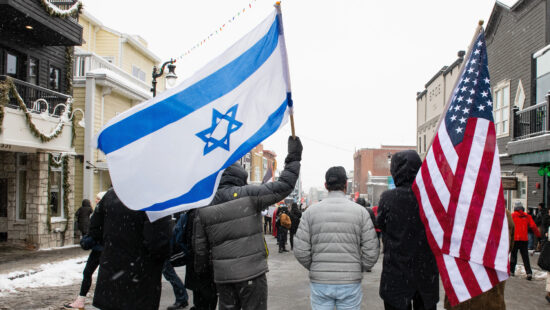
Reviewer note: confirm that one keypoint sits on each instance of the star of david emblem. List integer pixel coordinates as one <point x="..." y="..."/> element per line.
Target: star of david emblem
<point x="220" y="131"/>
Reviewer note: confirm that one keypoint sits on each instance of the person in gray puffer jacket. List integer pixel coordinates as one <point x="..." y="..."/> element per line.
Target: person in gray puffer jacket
<point x="229" y="233"/>
<point x="336" y="242"/>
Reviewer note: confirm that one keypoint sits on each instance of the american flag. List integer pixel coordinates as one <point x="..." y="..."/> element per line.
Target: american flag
<point x="459" y="190"/>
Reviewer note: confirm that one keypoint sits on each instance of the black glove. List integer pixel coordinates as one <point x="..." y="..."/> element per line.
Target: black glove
<point x="87" y="242"/>
<point x="294" y="150"/>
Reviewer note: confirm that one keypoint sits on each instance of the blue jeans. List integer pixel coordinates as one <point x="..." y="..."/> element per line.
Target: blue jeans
<point x="339" y="296"/>
<point x="171" y="276"/>
<point x="530" y="241"/>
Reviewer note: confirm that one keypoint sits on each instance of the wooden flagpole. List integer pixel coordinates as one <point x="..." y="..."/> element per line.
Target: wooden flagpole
<point x="470" y="48"/>
<point x="286" y="69"/>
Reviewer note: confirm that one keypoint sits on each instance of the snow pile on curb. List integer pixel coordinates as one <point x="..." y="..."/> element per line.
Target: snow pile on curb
<point x="63" y="273"/>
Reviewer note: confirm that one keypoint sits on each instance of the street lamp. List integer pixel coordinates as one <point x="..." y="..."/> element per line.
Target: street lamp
<point x="170" y="76"/>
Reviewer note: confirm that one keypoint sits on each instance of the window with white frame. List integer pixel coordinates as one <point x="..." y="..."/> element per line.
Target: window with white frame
<point x="56" y="193"/>
<point x="138" y="73"/>
<point x="501" y="108"/>
<point x="21" y="187"/>
<point x="543" y="76"/>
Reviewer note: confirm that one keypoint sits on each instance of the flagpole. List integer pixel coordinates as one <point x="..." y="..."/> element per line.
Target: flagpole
<point x="470" y="47"/>
<point x="286" y="68"/>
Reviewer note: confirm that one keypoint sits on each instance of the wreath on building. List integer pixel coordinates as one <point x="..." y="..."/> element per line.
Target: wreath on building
<point x="55" y="11"/>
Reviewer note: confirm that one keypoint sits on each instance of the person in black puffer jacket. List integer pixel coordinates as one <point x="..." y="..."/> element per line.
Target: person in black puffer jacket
<point x="409" y="272"/>
<point x="134" y="251"/>
<point x="295" y="216"/>
<point x="82" y="216"/>
<point x="229" y="233"/>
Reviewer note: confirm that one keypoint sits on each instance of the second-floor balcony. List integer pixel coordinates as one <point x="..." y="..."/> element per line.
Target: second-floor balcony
<point x="86" y="62"/>
<point x="532" y="121"/>
<point x="531" y="134"/>
<point x="45" y="108"/>
<point x="27" y="22"/>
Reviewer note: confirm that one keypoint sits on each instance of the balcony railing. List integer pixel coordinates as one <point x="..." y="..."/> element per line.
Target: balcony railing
<point x="85" y="62"/>
<point x="532" y="121"/>
<point x="31" y="94"/>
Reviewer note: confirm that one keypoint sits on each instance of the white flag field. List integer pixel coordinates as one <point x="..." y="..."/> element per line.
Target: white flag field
<point x="167" y="154"/>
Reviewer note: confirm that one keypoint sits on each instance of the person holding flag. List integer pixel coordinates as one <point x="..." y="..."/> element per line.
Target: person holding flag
<point x="410" y="279"/>
<point x="459" y="189"/>
<point x="228" y="234"/>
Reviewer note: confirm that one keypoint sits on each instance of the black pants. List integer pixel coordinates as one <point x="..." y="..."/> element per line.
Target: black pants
<point x="416" y="304"/>
<point x="267" y="222"/>
<point x="91" y="266"/>
<point x="205" y="298"/>
<point x="246" y="295"/>
<point x="522" y="247"/>
<point x="282" y="234"/>
<point x="292" y="233"/>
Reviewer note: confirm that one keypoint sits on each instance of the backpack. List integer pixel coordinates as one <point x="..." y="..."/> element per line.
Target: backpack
<point x="180" y="242"/>
<point x="285" y="221"/>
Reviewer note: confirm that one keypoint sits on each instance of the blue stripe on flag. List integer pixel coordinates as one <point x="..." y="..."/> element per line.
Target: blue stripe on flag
<point x="203" y="189"/>
<point x="178" y="106"/>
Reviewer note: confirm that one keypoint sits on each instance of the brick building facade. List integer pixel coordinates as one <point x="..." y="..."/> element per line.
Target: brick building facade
<point x="371" y="167"/>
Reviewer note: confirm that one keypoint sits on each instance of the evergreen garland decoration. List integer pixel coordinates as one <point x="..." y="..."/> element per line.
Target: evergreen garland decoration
<point x="53" y="10"/>
<point x="64" y="164"/>
<point x="5" y="87"/>
<point x="4" y="100"/>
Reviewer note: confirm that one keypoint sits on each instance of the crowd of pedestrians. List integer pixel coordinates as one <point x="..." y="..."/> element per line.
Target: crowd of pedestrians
<point x="225" y="253"/>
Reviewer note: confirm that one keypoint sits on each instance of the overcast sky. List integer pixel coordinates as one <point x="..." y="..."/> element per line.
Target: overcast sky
<point x="355" y="65"/>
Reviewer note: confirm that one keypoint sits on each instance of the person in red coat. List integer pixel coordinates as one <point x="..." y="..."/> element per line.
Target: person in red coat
<point x="522" y="222"/>
<point x="273" y="219"/>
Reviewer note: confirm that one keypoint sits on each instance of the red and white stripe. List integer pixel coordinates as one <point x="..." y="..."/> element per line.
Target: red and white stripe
<point x="462" y="207"/>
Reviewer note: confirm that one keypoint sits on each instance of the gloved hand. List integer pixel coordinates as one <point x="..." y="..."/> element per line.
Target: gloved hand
<point x="294" y="150"/>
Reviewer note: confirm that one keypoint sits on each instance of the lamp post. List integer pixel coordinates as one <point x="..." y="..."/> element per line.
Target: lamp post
<point x="170" y="76"/>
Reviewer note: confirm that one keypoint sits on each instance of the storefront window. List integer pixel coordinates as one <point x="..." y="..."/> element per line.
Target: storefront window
<point x="3" y="197"/>
<point x="21" y="189"/>
<point x="56" y="193"/>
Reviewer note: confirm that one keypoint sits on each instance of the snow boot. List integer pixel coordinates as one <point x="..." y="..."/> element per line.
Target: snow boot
<point x="77" y="304"/>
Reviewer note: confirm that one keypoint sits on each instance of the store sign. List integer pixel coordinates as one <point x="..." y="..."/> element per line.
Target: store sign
<point x="509" y="183"/>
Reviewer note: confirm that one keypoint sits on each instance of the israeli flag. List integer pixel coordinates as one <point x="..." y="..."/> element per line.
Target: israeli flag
<point x="167" y="154"/>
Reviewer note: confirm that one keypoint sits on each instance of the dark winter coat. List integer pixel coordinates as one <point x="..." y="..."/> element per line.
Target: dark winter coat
<point x="409" y="264"/>
<point x="230" y="231"/>
<point x="82" y="217"/>
<point x="295" y="216"/>
<point x="134" y="253"/>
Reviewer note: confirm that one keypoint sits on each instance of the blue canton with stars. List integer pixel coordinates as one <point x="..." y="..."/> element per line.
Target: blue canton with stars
<point x="472" y="96"/>
<point x="232" y="126"/>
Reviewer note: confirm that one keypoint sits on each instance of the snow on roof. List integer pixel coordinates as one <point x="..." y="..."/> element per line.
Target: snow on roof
<point x="123" y="81"/>
<point x="508" y="3"/>
<point x="541" y="51"/>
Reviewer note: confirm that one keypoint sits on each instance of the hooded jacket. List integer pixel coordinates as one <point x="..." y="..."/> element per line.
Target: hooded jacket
<point x="134" y="252"/>
<point x="522" y="222"/>
<point x="229" y="232"/>
<point x="82" y="216"/>
<point x="409" y="264"/>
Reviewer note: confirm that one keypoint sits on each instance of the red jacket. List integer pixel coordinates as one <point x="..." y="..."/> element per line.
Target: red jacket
<point x="523" y="220"/>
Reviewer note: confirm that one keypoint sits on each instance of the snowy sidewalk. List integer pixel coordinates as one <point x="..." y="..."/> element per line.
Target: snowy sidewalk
<point x="13" y="258"/>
